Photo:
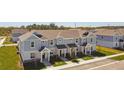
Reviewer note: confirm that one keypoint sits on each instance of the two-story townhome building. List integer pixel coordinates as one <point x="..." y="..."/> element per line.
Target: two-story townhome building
<point x="41" y="44"/>
<point x="113" y="38"/>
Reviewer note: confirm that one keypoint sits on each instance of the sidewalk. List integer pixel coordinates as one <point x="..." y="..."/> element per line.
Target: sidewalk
<point x="1" y="41"/>
<point x="70" y="64"/>
<point x="9" y="44"/>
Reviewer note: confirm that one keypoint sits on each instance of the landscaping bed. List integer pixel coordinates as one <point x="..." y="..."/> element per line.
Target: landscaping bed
<point x="33" y="66"/>
<point x="56" y="61"/>
<point x="9" y="59"/>
<point x="87" y="57"/>
<point x="75" y="60"/>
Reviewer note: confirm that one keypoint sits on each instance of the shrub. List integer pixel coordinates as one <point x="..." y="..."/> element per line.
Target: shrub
<point x="75" y="60"/>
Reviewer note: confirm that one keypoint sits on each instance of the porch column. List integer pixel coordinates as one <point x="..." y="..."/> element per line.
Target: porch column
<point x="85" y="50"/>
<point x="82" y="49"/>
<point x="41" y="57"/>
<point x="75" y="51"/>
<point x="49" y="56"/>
<point x="90" y="50"/>
<point x="70" y="51"/>
<point x="64" y="52"/>
<point x="58" y="52"/>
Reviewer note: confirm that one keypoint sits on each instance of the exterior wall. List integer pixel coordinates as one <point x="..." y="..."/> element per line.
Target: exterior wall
<point x="27" y="44"/>
<point x="109" y="41"/>
<point x="105" y="43"/>
<point x="121" y="44"/>
<point x="27" y="55"/>
<point x="106" y="38"/>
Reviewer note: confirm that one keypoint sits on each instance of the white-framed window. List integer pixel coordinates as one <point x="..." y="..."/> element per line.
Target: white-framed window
<point x="32" y="55"/>
<point x="51" y="42"/>
<point x="91" y="39"/>
<point x="32" y="44"/>
<point x="76" y="40"/>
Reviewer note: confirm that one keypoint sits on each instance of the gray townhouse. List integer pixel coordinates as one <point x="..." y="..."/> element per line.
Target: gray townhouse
<point x="113" y="38"/>
<point x="42" y="44"/>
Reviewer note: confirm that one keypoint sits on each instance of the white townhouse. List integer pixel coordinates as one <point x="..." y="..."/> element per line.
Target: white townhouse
<point x="41" y="44"/>
<point x="113" y="38"/>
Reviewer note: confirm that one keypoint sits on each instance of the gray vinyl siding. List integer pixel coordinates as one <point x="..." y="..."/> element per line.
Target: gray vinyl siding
<point x="27" y="44"/>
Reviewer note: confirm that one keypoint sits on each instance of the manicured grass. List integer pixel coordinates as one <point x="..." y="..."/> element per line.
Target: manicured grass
<point x="8" y="40"/>
<point x="118" y="58"/>
<point x="33" y="66"/>
<point x="59" y="63"/>
<point x="56" y="61"/>
<point x="84" y="57"/>
<point x="87" y="58"/>
<point x="9" y="59"/>
<point x="98" y="54"/>
<point x="107" y="51"/>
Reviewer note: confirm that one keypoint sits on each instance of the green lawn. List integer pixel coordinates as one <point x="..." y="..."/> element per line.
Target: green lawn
<point x="8" y="40"/>
<point x="118" y="58"/>
<point x="59" y="63"/>
<point x="9" y="59"/>
<point x="104" y="51"/>
<point x="98" y="54"/>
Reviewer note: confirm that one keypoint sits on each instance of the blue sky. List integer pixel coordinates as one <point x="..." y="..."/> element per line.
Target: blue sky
<point x="72" y="24"/>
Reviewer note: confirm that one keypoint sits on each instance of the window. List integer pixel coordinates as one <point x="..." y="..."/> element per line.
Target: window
<point x="102" y="37"/>
<point x="32" y="44"/>
<point x="51" y="42"/>
<point x="76" y="40"/>
<point x="32" y="55"/>
<point x="91" y="40"/>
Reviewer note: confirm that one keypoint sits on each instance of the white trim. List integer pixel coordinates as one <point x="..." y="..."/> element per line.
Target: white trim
<point x="31" y="42"/>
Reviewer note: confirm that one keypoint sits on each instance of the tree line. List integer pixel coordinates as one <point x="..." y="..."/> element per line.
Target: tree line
<point x="7" y="30"/>
<point x="51" y="26"/>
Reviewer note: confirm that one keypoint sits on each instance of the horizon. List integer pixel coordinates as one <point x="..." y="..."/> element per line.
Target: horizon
<point x="66" y="24"/>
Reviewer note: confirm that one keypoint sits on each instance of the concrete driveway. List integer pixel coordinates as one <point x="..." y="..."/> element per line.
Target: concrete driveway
<point x="106" y="64"/>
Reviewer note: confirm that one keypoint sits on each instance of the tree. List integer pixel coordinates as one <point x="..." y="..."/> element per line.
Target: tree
<point x="23" y="27"/>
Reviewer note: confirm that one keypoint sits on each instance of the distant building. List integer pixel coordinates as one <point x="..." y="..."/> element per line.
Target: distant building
<point x="113" y="38"/>
<point x="16" y="33"/>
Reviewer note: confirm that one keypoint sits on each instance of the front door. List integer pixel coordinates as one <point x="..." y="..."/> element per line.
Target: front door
<point x="45" y="57"/>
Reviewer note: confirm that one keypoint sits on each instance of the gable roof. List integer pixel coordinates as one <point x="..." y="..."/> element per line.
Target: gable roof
<point x="53" y="34"/>
<point x="21" y="31"/>
<point x="109" y="32"/>
<point x="25" y="36"/>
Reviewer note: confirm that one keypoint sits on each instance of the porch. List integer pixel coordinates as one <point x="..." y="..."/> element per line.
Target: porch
<point x="45" y="56"/>
<point x="72" y="49"/>
<point x="86" y="48"/>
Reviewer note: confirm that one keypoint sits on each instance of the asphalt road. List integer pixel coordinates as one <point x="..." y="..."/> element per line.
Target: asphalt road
<point x="106" y="64"/>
